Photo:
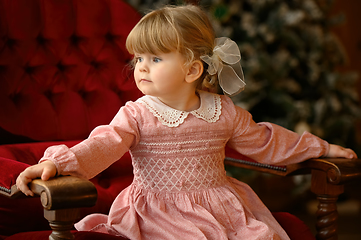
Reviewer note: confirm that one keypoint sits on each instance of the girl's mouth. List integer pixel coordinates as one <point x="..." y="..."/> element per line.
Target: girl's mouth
<point x="144" y="80"/>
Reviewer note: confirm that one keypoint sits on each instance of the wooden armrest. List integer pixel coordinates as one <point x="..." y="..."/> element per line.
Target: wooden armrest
<point x="65" y="192"/>
<point x="61" y="197"/>
<point x="60" y="192"/>
<point x="292" y="169"/>
<point x="338" y="170"/>
<point x="328" y="178"/>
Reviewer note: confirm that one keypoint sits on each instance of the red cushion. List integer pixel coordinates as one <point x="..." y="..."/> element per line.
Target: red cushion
<point x="18" y="215"/>
<point x="294" y="227"/>
<point x="29" y="153"/>
<point x="12" y="169"/>
<point x="21" y="215"/>
<point x="44" y="235"/>
<point x="14" y="158"/>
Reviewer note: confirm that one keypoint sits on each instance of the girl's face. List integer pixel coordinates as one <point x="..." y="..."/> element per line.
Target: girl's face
<point x="162" y="75"/>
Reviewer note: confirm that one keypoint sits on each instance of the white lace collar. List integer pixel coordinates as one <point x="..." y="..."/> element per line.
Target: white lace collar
<point x="210" y="109"/>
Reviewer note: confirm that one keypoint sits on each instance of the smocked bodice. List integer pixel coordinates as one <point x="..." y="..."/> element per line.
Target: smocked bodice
<point x="180" y="173"/>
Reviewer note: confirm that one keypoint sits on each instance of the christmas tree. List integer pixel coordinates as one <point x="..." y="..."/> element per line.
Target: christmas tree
<point x="290" y="58"/>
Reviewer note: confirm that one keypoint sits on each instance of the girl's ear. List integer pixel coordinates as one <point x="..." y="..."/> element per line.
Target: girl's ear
<point x="194" y="71"/>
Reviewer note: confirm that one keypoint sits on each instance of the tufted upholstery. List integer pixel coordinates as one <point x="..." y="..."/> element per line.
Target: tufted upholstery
<point x="62" y="66"/>
<point x="63" y="71"/>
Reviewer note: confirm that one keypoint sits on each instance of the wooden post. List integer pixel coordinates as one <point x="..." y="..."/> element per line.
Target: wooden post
<point x="327" y="214"/>
<point x="61" y="222"/>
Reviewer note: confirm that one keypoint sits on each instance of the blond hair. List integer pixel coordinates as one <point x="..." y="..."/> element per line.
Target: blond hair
<point x="185" y="29"/>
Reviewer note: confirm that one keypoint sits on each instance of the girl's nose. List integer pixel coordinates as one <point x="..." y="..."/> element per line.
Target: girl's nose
<point x="143" y="67"/>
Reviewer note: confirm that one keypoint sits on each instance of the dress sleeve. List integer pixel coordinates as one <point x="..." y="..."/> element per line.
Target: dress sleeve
<point x="105" y="145"/>
<point x="272" y="144"/>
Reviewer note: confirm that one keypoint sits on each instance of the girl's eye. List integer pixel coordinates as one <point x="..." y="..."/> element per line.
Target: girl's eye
<point x="156" y="59"/>
<point x="138" y="59"/>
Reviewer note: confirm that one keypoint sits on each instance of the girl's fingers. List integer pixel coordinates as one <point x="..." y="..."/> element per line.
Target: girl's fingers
<point x="338" y="151"/>
<point x="351" y="153"/>
<point x="45" y="170"/>
<point x="47" y="173"/>
<point x="26" y="177"/>
<point x="22" y="184"/>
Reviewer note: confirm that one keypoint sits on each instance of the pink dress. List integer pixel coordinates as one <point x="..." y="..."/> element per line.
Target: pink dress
<point x="180" y="189"/>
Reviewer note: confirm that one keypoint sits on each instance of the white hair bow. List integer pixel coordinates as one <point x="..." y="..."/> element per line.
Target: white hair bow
<point x="226" y="62"/>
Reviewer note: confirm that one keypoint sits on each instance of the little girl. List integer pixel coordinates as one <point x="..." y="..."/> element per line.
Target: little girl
<point x="177" y="134"/>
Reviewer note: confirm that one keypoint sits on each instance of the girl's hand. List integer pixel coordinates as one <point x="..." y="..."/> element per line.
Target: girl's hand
<point x="338" y="151"/>
<point x="45" y="170"/>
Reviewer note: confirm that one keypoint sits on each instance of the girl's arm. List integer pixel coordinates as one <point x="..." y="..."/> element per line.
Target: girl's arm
<point x="105" y="145"/>
<point x="85" y="160"/>
<point x="272" y="144"/>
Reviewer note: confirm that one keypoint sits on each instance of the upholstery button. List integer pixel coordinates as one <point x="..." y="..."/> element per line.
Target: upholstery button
<point x="15" y="97"/>
<point x="82" y="93"/>
<point x="48" y="94"/>
<point x="29" y="69"/>
<point x="60" y="66"/>
<point x="110" y="37"/>
<point x="41" y="40"/>
<point x="11" y="43"/>
<point x="207" y="145"/>
<point x="3" y="69"/>
<point x="74" y="39"/>
<point x="95" y="64"/>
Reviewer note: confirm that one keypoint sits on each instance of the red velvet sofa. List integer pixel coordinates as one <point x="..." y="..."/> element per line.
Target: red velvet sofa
<point x="64" y="71"/>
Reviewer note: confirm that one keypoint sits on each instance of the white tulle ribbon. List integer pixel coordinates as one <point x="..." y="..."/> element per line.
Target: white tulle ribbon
<point x="226" y="62"/>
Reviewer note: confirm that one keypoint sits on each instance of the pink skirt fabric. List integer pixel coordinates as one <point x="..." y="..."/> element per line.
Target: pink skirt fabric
<point x="230" y="211"/>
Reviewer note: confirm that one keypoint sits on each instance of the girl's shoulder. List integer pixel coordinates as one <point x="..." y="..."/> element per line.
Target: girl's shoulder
<point x="235" y="115"/>
<point x="137" y="105"/>
<point x="228" y="105"/>
<point x="130" y="110"/>
<point x="227" y="101"/>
